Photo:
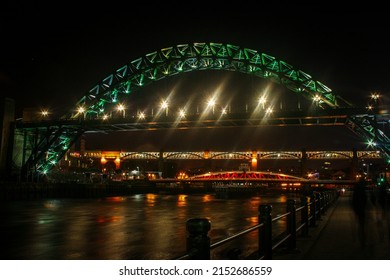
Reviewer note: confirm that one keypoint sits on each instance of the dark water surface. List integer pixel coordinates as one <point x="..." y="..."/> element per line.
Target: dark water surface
<point x="147" y="226"/>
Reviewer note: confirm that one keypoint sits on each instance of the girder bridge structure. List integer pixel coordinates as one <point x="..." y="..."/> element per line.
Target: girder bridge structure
<point x="43" y="143"/>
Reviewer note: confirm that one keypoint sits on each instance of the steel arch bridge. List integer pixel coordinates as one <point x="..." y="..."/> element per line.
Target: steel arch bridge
<point x="47" y="142"/>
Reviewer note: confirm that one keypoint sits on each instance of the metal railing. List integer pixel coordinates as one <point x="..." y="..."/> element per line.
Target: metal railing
<point x="311" y="209"/>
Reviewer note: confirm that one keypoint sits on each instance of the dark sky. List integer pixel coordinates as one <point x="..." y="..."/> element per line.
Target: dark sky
<point x="52" y="55"/>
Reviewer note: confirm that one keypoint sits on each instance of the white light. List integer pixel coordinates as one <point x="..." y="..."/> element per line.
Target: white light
<point x="81" y="110"/>
<point x="141" y="116"/>
<point x="164" y="104"/>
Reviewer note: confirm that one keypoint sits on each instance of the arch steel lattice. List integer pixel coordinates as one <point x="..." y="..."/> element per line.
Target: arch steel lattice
<point x="200" y="56"/>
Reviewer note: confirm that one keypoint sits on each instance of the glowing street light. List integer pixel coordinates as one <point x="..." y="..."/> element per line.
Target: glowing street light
<point x="121" y="108"/>
<point x="211" y="103"/>
<point x="262" y="101"/>
<point x="182" y="113"/>
<point x="317" y="99"/>
<point x="81" y="111"/>
<point x="375" y="96"/>
<point x="44" y="114"/>
<point x="141" y="116"/>
<point x="165" y="106"/>
<point x="269" y="110"/>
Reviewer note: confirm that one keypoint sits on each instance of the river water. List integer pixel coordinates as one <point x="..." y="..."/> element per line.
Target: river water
<point x="138" y="227"/>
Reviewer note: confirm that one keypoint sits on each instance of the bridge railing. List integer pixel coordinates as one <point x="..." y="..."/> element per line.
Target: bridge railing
<point x="310" y="210"/>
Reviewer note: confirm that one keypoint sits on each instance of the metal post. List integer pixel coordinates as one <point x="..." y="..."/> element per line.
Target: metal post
<point x="319" y="205"/>
<point x="291" y="225"/>
<point x="325" y="196"/>
<point x="265" y="232"/>
<point x="313" y="209"/>
<point x="305" y="216"/>
<point x="198" y="241"/>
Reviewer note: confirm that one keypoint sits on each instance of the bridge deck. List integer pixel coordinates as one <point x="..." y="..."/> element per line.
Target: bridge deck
<point x="336" y="236"/>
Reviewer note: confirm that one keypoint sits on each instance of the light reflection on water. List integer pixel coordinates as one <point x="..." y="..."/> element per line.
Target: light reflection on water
<point x="140" y="227"/>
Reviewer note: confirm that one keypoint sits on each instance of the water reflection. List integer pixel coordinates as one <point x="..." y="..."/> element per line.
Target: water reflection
<point x="147" y="226"/>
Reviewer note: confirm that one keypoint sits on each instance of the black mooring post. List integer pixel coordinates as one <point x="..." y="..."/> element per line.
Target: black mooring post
<point x="265" y="232"/>
<point x="305" y="215"/>
<point x="198" y="241"/>
<point x="313" y="210"/>
<point x="291" y="225"/>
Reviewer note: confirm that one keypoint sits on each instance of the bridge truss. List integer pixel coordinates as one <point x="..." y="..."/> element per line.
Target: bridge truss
<point x="44" y="143"/>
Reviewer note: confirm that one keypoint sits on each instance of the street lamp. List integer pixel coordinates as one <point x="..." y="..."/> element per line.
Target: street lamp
<point x="44" y="114"/>
<point x="211" y="103"/>
<point x="81" y="111"/>
<point x="182" y="113"/>
<point x="375" y="96"/>
<point x="317" y="99"/>
<point x="164" y="105"/>
<point x="141" y="115"/>
<point x="262" y="101"/>
<point x="121" y="108"/>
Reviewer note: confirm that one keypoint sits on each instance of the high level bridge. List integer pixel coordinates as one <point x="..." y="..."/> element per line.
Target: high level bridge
<point x="41" y="144"/>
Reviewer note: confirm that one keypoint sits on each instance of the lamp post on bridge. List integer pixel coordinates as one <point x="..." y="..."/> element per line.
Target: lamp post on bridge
<point x="165" y="106"/>
<point x="121" y="108"/>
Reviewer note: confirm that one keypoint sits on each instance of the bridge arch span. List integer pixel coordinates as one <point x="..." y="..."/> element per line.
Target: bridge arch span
<point x="183" y="58"/>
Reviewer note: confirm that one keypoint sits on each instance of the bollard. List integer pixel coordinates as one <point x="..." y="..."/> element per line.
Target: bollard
<point x="319" y="205"/>
<point x="265" y="232"/>
<point x="291" y="225"/>
<point x="326" y="201"/>
<point x="305" y="216"/>
<point x="313" y="209"/>
<point x="323" y="203"/>
<point x="198" y="241"/>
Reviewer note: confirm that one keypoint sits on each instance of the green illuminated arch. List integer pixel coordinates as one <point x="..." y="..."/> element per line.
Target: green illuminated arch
<point x="200" y="56"/>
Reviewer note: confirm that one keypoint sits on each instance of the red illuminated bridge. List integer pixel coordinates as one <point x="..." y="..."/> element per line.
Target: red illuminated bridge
<point x="245" y="176"/>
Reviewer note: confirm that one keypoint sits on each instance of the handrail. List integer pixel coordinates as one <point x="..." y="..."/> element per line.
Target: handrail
<point x="234" y="236"/>
<point x="312" y="207"/>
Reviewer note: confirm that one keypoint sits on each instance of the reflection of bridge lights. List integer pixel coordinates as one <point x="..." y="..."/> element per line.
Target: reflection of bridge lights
<point x="224" y="111"/>
<point x="105" y="117"/>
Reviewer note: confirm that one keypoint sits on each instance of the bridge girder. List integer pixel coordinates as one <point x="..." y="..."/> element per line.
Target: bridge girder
<point x="53" y="143"/>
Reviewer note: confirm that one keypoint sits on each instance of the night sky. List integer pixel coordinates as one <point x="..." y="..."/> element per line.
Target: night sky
<point x="51" y="56"/>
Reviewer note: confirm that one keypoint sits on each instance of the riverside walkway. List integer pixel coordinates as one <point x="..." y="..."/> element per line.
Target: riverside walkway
<point x="339" y="236"/>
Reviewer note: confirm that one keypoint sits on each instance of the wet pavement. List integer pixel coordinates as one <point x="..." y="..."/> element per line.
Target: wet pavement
<point x="340" y="236"/>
